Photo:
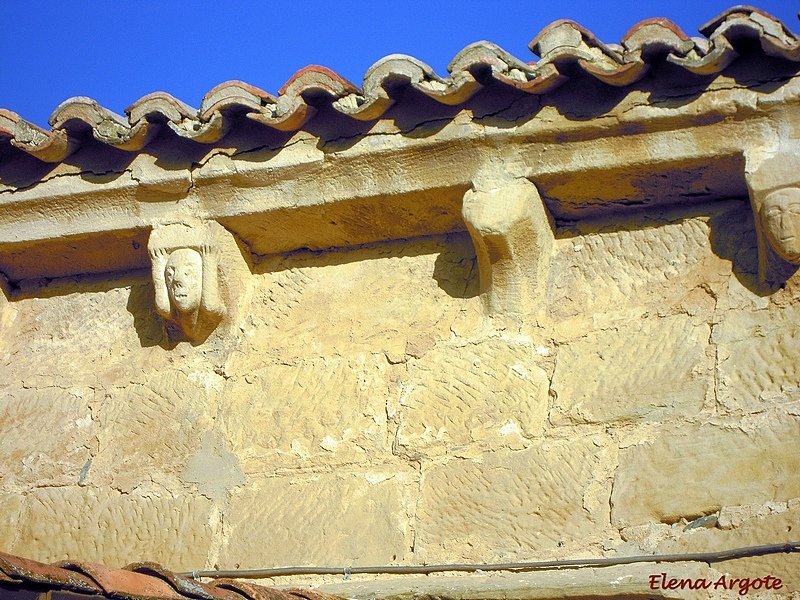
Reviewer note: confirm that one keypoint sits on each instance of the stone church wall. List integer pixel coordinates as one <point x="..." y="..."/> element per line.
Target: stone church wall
<point x="363" y="409"/>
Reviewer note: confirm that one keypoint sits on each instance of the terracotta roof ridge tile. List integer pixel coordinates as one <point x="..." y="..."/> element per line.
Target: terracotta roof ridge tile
<point x="191" y="588"/>
<point x="120" y="583"/>
<point x="47" y="146"/>
<point x="107" y="126"/>
<point x="167" y="105"/>
<point x="136" y="581"/>
<point x="24" y="570"/>
<point x="251" y="591"/>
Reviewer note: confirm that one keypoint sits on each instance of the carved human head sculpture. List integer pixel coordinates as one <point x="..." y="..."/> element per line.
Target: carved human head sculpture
<point x="780" y="218"/>
<point x="184" y="278"/>
<point x="773" y="180"/>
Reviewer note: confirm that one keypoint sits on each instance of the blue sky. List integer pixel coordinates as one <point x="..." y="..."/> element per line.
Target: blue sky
<point x="116" y="52"/>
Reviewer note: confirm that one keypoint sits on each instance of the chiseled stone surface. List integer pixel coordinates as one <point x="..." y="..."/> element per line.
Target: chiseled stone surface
<point x="692" y="470"/>
<point x="648" y="369"/>
<point x="510" y="504"/>
<point x="149" y="431"/>
<point x="10" y="508"/>
<point x="758" y="357"/>
<point x="102" y="525"/>
<point x="318" y="411"/>
<point x="491" y="394"/>
<point x="46" y="436"/>
<point x="379" y="298"/>
<point x="355" y="518"/>
<point x="641" y="262"/>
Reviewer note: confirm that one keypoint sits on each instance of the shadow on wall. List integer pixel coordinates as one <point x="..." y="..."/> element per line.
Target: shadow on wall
<point x="455" y="269"/>
<point x="732" y="234"/>
<point x="148" y="324"/>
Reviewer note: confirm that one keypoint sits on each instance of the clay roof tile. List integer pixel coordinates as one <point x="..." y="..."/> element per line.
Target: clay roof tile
<point x="566" y="50"/>
<point x="137" y="581"/>
<point x="120" y="583"/>
<point x="24" y="570"/>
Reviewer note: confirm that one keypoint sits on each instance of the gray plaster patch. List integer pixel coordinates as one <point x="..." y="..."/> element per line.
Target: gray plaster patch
<point x="214" y="469"/>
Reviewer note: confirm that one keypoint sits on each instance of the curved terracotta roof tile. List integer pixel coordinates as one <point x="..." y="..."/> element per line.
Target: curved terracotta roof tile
<point x="251" y="591"/>
<point x="188" y="587"/>
<point x="204" y="132"/>
<point x="107" y="126"/>
<point x="48" y="146"/>
<point x="234" y="95"/>
<point x="565" y="49"/>
<point x="122" y="583"/>
<point x="485" y="57"/>
<point x="718" y="58"/>
<point x="160" y="103"/>
<point x="136" y="581"/>
<point x="23" y="570"/>
<point x="655" y="38"/>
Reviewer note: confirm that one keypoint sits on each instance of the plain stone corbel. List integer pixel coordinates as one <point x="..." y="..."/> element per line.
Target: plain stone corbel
<point x="513" y="238"/>
<point x="773" y="180"/>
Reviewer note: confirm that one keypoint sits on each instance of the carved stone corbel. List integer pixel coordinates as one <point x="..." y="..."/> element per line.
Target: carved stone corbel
<point x="513" y="238"/>
<point x="774" y="183"/>
<point x="187" y="279"/>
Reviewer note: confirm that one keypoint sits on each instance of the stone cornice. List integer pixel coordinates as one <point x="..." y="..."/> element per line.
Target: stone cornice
<point x="591" y="151"/>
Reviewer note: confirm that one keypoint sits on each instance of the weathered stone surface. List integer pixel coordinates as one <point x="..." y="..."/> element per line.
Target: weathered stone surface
<point x="772" y="529"/>
<point x="511" y="504"/>
<point x="323" y="411"/>
<point x="490" y="393"/>
<point x="102" y="525"/>
<point x="613" y="265"/>
<point x="46" y="436"/>
<point x="333" y="519"/>
<point x="373" y="299"/>
<point x="149" y="432"/>
<point x="759" y="357"/>
<point x="10" y="508"/>
<point x="357" y="404"/>
<point x="648" y="369"/>
<point x="73" y="327"/>
<point x="692" y="470"/>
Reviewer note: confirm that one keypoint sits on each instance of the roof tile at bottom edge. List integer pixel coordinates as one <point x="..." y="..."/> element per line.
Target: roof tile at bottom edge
<point x="136" y="581"/>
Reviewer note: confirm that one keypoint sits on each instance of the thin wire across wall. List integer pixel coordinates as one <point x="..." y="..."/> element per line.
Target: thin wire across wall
<point x="545" y="565"/>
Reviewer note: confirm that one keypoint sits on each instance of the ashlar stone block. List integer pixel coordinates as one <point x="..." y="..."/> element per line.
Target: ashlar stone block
<point x="46" y="436"/>
<point x="318" y="411"/>
<point x="105" y="526"/>
<point x="643" y="370"/>
<point x="372" y="299"/>
<point x="510" y="503"/>
<point x="331" y="519"/>
<point x="491" y="393"/>
<point x="150" y="431"/>
<point x="614" y="265"/>
<point x="759" y="357"/>
<point x="10" y="508"/>
<point x="692" y="470"/>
